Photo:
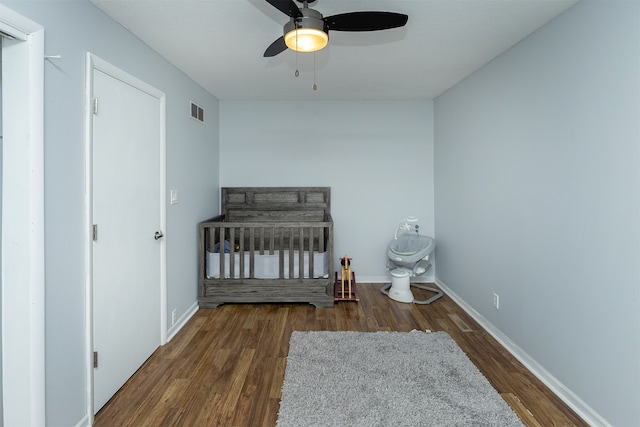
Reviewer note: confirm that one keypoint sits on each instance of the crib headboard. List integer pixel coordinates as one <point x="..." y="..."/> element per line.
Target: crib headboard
<point x="276" y="204"/>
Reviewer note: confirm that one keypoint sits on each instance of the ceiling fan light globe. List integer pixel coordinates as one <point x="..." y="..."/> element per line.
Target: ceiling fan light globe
<point x="306" y="39"/>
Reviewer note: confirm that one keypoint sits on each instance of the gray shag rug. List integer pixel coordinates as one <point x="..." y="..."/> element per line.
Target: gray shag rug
<point x="386" y="379"/>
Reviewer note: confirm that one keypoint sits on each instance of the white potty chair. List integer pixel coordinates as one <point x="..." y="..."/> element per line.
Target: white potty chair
<point x="400" y="286"/>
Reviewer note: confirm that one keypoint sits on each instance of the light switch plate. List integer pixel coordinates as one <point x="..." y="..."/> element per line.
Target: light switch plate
<point x="174" y="197"/>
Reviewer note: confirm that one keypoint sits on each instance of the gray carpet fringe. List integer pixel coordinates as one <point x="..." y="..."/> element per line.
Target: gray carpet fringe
<point x="386" y="379"/>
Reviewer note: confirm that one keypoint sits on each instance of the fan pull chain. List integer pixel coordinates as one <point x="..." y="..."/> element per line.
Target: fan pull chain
<point x="315" y="86"/>
<point x="297" y="73"/>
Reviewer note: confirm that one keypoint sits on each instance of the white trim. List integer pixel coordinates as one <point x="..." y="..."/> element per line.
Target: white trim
<point x="92" y="62"/>
<point x="23" y="278"/>
<point x="88" y="250"/>
<point x="15" y="25"/>
<point x="567" y="396"/>
<point x="173" y="331"/>
<point x="84" y="422"/>
<point x="163" y="219"/>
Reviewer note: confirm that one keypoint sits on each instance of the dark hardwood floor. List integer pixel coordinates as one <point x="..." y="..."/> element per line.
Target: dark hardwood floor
<point x="226" y="366"/>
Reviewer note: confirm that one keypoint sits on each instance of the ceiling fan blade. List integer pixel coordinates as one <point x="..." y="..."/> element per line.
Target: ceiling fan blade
<point x="275" y="48"/>
<point x="365" y="21"/>
<point x="288" y="7"/>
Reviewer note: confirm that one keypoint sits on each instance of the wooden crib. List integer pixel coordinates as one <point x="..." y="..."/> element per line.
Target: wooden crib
<point x="270" y="244"/>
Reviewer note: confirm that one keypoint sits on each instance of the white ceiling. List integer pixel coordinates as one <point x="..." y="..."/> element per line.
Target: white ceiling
<point x="220" y="43"/>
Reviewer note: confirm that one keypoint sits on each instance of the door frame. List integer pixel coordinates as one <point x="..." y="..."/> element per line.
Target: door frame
<point x="93" y="62"/>
<point x="23" y="268"/>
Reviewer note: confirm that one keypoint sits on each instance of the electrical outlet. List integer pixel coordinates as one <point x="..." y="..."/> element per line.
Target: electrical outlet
<point x="174" y="315"/>
<point x="496" y="301"/>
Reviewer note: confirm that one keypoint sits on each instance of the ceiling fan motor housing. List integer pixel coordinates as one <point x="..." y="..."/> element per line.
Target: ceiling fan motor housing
<point x="310" y="24"/>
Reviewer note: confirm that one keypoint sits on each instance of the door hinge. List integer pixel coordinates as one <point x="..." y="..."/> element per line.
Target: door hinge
<point x="95" y="105"/>
<point x="95" y="232"/>
<point x="95" y="359"/>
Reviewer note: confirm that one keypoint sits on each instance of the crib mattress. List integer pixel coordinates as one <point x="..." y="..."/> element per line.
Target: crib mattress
<point x="267" y="266"/>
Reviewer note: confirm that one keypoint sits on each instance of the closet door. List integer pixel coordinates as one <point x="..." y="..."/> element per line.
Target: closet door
<point x="127" y="215"/>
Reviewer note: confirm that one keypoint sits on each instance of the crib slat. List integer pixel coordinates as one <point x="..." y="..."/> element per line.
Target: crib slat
<point x="273" y="232"/>
<point x="241" y="254"/>
<point x="281" y="256"/>
<point x="330" y="247"/>
<point x="252" y="248"/>
<point x="261" y="241"/>
<point x="301" y="252"/>
<point x="210" y="237"/>
<point x="311" y="257"/>
<point x="221" y="251"/>
<point x="291" y="237"/>
<point x="321" y="239"/>
<point x="232" y="258"/>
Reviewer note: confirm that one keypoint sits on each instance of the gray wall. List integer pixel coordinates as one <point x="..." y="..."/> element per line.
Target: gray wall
<point x="377" y="157"/>
<point x="71" y="29"/>
<point x="537" y="198"/>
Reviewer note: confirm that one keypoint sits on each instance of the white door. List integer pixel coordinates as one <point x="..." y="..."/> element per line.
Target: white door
<point x="127" y="213"/>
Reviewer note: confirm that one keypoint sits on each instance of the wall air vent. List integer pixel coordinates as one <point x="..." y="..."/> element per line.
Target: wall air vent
<point x="197" y="112"/>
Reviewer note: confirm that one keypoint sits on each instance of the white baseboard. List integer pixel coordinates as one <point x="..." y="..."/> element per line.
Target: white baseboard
<point x="84" y="422"/>
<point x="174" y="329"/>
<point x="567" y="396"/>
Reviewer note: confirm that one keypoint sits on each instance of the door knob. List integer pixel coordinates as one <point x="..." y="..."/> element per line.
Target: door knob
<point x="158" y="235"/>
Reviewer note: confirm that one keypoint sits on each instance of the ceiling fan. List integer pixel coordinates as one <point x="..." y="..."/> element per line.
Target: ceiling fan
<point x="308" y="31"/>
